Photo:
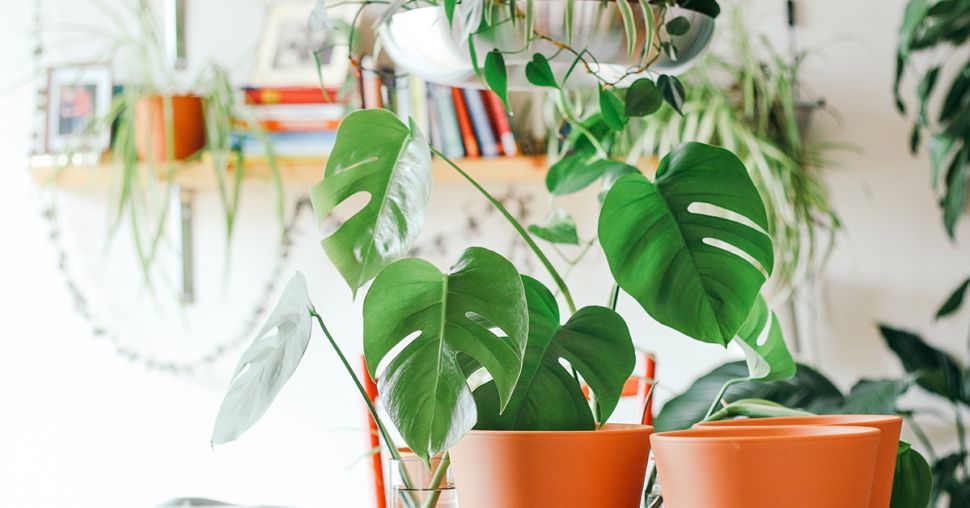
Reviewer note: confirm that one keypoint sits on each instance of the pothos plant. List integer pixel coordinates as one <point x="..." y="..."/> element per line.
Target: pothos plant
<point x="480" y="345"/>
<point x="930" y="33"/>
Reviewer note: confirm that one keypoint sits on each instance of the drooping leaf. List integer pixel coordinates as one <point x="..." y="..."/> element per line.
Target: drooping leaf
<point x="423" y="387"/>
<point x="956" y="96"/>
<point x="807" y="390"/>
<point x="559" y="227"/>
<point x="629" y="27"/>
<point x="875" y="396"/>
<point x="755" y="408"/>
<point x="450" y="10"/>
<point x="936" y="370"/>
<point x="596" y="343"/>
<point x="611" y="107"/>
<point x="378" y="155"/>
<point x="268" y="363"/>
<point x="945" y="477"/>
<point x="913" y="480"/>
<point x="688" y="267"/>
<point x="954" y="301"/>
<point x="575" y="172"/>
<point x="672" y="91"/>
<point x="539" y="72"/>
<point x="764" y="347"/>
<point x="956" y="194"/>
<point x="496" y="75"/>
<point x="678" y="26"/>
<point x="470" y="13"/>
<point x="706" y="7"/>
<point x="642" y="98"/>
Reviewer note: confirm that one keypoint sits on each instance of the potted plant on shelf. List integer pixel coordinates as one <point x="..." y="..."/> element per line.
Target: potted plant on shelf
<point x="476" y="365"/>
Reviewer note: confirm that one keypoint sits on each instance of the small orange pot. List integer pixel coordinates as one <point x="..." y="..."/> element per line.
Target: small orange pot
<point x="188" y="119"/>
<point x="579" y="469"/>
<point x="766" y="467"/>
<point x="888" y="425"/>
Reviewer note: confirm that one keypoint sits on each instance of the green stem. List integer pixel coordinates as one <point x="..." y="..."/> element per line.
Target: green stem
<point x="439" y="474"/>
<point x="614" y="296"/>
<point x="567" y="113"/>
<point x="560" y="283"/>
<point x="405" y="477"/>
<point x="921" y="435"/>
<point x="720" y="395"/>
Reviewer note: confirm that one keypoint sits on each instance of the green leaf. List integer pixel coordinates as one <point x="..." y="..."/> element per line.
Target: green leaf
<point x="642" y="98"/>
<point x="377" y="155"/>
<point x="936" y="370"/>
<point x="575" y="172"/>
<point x="450" y="10"/>
<point x="954" y="301"/>
<point x="945" y="477"/>
<point x="672" y="91"/>
<point x="955" y="98"/>
<point x="611" y="107"/>
<point x="629" y="26"/>
<point x="875" y="396"/>
<point x="706" y="7"/>
<point x="678" y="26"/>
<point x="558" y="228"/>
<point x="497" y="76"/>
<point x="956" y="190"/>
<point x="423" y="387"/>
<point x="807" y="390"/>
<point x="595" y="341"/>
<point x="695" y="269"/>
<point x="913" y="481"/>
<point x="755" y="408"/>
<point x="268" y="363"/>
<point x="764" y="345"/>
<point x="539" y="72"/>
<point x="923" y="92"/>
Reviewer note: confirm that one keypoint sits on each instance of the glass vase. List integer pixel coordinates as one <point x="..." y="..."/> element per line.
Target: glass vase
<point x="412" y="485"/>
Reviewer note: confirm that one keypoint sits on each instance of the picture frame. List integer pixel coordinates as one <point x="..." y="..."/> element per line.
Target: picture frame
<point x="77" y="96"/>
<point x="284" y="56"/>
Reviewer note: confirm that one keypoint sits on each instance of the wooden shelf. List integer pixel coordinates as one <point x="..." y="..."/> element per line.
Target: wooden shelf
<point x="199" y="174"/>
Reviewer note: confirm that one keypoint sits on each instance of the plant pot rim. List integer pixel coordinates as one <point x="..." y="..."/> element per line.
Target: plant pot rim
<point x="609" y="428"/>
<point x="820" y="420"/>
<point x="764" y="433"/>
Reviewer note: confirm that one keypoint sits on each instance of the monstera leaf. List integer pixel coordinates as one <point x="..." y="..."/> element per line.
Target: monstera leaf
<point x="378" y="155"/>
<point x="268" y="363"/>
<point x="692" y="247"/>
<point x="595" y="341"/>
<point x="477" y="309"/>
<point x="764" y="346"/>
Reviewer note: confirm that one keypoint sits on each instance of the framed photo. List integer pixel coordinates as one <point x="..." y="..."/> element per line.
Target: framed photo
<point x="78" y="97"/>
<point x="285" y="53"/>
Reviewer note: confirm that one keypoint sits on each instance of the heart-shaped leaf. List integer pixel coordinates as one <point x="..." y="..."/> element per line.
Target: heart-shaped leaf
<point x="597" y="344"/>
<point x="427" y="318"/>
<point x="539" y="72"/>
<point x="496" y="75"/>
<point x="642" y="98"/>
<point x="764" y="345"/>
<point x="612" y="109"/>
<point x="913" y="479"/>
<point x="678" y="26"/>
<point x="706" y="7"/>
<point x="575" y="172"/>
<point x="268" y="363"/>
<point x="672" y="90"/>
<point x="378" y="155"/>
<point x="558" y="228"/>
<point x="690" y="248"/>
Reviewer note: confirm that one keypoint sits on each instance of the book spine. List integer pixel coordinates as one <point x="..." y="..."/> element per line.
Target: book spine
<point x="289" y="95"/>
<point x="302" y="125"/>
<point x="480" y="122"/>
<point x="500" y="122"/>
<point x="419" y="105"/>
<point x="465" y="124"/>
<point x="445" y="118"/>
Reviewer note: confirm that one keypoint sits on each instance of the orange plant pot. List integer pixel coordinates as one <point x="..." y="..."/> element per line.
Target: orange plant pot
<point x="188" y="120"/>
<point x="889" y="427"/>
<point x="766" y="467"/>
<point x="579" y="469"/>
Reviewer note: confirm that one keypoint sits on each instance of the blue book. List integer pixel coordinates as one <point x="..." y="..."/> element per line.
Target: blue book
<point x="446" y="120"/>
<point x="480" y="123"/>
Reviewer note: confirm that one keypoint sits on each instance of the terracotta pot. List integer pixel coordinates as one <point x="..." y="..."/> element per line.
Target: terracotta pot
<point x="578" y="469"/>
<point x="188" y="119"/>
<point x="766" y="467"/>
<point x="889" y="426"/>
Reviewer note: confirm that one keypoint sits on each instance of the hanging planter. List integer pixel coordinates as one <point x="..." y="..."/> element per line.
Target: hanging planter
<point x="620" y="44"/>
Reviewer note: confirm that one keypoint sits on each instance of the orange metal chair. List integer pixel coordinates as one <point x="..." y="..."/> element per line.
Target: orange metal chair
<point x="377" y="467"/>
<point x="640" y="386"/>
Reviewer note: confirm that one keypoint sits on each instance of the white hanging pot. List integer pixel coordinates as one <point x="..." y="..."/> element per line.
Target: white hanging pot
<point x="421" y="42"/>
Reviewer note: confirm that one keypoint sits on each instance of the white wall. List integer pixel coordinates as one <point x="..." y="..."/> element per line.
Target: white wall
<point x="79" y="426"/>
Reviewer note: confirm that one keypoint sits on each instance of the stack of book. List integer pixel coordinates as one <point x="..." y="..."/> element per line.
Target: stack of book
<point x="460" y="122"/>
<point x="299" y="121"/>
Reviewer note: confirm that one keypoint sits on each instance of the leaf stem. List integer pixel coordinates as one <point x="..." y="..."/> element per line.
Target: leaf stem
<point x="560" y="283"/>
<point x="720" y="395"/>
<point x="405" y="477"/>
<point x="439" y="474"/>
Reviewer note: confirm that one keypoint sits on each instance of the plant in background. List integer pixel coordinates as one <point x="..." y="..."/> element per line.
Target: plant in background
<point x="932" y="30"/>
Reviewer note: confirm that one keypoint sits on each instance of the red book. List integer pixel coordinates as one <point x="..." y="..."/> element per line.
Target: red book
<point x="465" y="124"/>
<point x="500" y="123"/>
<point x="290" y="95"/>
